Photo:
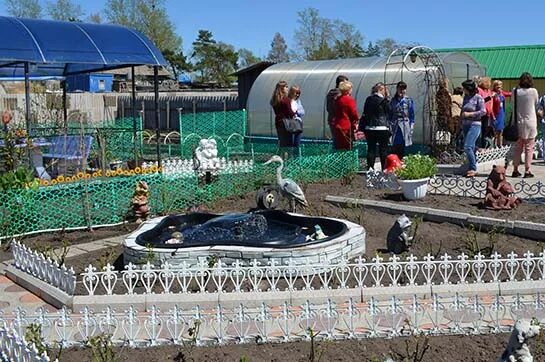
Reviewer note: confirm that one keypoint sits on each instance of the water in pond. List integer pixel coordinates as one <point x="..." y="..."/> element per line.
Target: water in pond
<point x="268" y="228"/>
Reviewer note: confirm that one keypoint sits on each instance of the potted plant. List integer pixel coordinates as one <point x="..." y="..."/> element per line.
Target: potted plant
<point x="414" y="174"/>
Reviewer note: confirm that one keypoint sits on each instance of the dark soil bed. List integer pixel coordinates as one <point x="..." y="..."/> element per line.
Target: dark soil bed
<point x="433" y="238"/>
<point x="441" y="349"/>
<point x="55" y="239"/>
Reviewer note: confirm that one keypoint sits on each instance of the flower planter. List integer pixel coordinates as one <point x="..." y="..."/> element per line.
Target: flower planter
<point x="414" y="189"/>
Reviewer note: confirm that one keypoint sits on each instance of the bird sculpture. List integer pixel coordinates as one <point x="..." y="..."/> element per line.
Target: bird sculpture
<point x="288" y="188"/>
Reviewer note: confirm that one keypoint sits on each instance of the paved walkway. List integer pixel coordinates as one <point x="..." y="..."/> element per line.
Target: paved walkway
<point x="13" y="295"/>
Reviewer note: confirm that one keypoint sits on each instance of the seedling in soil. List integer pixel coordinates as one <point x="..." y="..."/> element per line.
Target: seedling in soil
<point x="149" y="256"/>
<point x="416" y="346"/>
<point x="473" y="244"/>
<point x="186" y="354"/>
<point x="103" y="348"/>
<point x="312" y="357"/>
<point x="106" y="258"/>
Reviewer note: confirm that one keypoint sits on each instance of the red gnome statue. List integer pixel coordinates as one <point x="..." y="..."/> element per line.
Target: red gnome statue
<point x="499" y="192"/>
<point x="140" y="201"/>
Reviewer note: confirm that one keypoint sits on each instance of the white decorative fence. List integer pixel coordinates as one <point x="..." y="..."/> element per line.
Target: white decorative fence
<point x="184" y="166"/>
<point x="359" y="273"/>
<point x="45" y="269"/>
<point x="353" y="319"/>
<point x="15" y="348"/>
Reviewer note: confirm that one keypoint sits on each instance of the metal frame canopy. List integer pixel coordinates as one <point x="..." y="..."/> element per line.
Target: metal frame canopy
<point x="38" y="48"/>
<point x="58" y="48"/>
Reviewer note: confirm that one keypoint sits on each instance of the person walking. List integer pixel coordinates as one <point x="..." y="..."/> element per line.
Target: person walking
<point x="281" y="105"/>
<point x="375" y="124"/>
<point x="498" y="106"/>
<point x="473" y="109"/>
<point x="346" y="118"/>
<point x="401" y="120"/>
<point x="294" y="94"/>
<point x="527" y="100"/>
<point x="331" y="103"/>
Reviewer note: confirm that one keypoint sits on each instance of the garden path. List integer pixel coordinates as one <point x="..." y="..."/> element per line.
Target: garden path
<point x="12" y="295"/>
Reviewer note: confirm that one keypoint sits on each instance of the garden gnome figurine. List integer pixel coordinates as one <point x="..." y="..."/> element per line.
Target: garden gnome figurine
<point x="499" y="192"/>
<point x="140" y="201"/>
<point x="398" y="239"/>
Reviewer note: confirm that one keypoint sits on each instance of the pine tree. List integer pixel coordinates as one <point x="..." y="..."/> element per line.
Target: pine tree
<point x="279" y="50"/>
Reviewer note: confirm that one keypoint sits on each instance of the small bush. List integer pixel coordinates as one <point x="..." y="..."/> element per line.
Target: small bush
<point x="416" y="167"/>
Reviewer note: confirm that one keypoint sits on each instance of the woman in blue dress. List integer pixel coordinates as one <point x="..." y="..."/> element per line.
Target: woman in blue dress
<point x="499" y="111"/>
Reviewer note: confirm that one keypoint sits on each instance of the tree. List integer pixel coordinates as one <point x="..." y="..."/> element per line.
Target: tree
<point x="246" y="58"/>
<point x="314" y="35"/>
<point x="95" y="18"/>
<point x="120" y="12"/>
<point x="322" y="38"/>
<point x="177" y="62"/>
<point x="348" y="41"/>
<point x="215" y="61"/>
<point x="24" y="8"/>
<point x="387" y="46"/>
<point x="372" y="50"/>
<point x="64" y="10"/>
<point x="279" y="50"/>
<point x="150" y="18"/>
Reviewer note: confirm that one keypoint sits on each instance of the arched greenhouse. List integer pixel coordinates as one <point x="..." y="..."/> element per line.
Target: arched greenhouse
<point x="419" y="67"/>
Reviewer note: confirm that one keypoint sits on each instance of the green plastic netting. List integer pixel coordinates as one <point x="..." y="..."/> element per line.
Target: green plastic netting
<point x="94" y="202"/>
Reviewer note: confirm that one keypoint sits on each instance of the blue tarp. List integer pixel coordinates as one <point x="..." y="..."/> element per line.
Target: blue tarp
<point x="58" y="48"/>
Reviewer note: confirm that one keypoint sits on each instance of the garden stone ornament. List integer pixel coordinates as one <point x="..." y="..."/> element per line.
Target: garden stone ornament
<point x="140" y="209"/>
<point x="206" y="156"/>
<point x="398" y="239"/>
<point x="499" y="192"/>
<point x="517" y="349"/>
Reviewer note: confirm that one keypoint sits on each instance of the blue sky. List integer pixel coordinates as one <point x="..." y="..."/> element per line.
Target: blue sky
<point x="252" y="23"/>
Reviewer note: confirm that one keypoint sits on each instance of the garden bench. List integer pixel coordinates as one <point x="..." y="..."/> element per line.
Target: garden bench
<point x="69" y="153"/>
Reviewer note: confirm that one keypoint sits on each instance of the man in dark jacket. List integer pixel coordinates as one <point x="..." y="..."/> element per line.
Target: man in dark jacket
<point x="331" y="102"/>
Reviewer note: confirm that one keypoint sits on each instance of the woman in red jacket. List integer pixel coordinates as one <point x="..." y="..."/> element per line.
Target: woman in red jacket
<point x="346" y="117"/>
<point x="281" y="105"/>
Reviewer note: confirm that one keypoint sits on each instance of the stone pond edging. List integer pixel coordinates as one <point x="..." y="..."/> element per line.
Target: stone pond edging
<point x="349" y="245"/>
<point x="526" y="229"/>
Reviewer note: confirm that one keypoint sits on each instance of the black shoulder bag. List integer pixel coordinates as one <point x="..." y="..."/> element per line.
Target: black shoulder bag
<point x="511" y="132"/>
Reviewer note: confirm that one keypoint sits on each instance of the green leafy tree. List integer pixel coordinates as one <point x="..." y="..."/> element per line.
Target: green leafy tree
<point x="214" y="61"/>
<point x="247" y="58"/>
<point x="150" y="18"/>
<point x="24" y="8"/>
<point x="64" y="10"/>
<point x="387" y="46"/>
<point x="348" y="41"/>
<point x="279" y="50"/>
<point x="177" y="61"/>
<point x="372" y="50"/>
<point x="120" y="12"/>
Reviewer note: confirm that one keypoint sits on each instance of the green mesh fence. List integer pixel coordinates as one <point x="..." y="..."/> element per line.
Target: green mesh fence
<point x="94" y="202"/>
<point x="116" y="137"/>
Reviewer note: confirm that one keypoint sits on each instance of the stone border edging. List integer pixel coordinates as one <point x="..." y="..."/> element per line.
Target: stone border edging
<point x="526" y="229"/>
<point x="48" y="293"/>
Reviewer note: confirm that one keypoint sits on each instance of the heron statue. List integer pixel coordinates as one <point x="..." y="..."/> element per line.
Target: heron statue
<point x="288" y="188"/>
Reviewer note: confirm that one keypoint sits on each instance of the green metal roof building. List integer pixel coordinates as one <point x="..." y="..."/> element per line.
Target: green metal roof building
<point x="507" y="63"/>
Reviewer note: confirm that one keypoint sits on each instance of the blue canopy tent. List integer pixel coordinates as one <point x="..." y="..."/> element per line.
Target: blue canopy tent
<point x="37" y="48"/>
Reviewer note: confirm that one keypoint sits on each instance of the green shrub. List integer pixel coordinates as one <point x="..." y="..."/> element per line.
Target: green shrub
<point x="416" y="167"/>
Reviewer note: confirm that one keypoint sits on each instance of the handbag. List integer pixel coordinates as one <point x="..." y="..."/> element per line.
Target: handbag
<point x="293" y="125"/>
<point x="511" y="131"/>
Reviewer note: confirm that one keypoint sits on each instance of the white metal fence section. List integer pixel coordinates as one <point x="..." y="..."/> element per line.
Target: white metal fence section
<point x="353" y="319"/>
<point x="254" y="277"/>
<point x="15" y="348"/>
<point x="45" y="269"/>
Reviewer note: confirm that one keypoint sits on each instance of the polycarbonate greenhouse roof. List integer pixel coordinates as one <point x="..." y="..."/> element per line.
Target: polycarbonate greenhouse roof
<point x="508" y="61"/>
<point x="58" y="48"/>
